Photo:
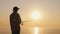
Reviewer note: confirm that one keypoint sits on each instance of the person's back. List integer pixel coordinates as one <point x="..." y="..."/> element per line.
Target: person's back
<point x="15" y="21"/>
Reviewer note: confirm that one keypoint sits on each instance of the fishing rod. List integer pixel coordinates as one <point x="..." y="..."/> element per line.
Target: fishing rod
<point x="25" y="21"/>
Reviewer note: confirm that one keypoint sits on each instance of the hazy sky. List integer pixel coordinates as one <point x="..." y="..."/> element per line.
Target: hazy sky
<point x="50" y="10"/>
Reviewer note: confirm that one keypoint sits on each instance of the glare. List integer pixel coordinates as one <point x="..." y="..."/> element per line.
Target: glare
<point x="36" y="14"/>
<point x="36" y="30"/>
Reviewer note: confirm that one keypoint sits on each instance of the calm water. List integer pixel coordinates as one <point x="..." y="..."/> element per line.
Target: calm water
<point x="28" y="28"/>
<point x="33" y="30"/>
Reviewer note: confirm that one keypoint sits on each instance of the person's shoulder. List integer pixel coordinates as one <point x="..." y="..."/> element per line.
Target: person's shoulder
<point x="11" y="14"/>
<point x="17" y="13"/>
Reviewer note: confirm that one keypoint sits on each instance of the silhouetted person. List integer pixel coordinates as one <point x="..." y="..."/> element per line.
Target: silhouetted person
<point x="15" y="21"/>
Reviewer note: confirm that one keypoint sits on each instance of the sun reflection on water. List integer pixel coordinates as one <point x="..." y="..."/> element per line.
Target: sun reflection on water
<point x="36" y="30"/>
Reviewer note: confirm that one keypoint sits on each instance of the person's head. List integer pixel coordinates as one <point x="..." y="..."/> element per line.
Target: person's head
<point x="15" y="9"/>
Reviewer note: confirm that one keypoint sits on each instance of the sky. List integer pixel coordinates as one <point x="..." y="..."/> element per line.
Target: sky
<point x="49" y="9"/>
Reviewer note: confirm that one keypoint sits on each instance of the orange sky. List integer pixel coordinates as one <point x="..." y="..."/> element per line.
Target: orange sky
<point x="50" y="11"/>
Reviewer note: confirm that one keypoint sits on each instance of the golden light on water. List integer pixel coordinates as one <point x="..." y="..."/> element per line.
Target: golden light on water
<point x="36" y="30"/>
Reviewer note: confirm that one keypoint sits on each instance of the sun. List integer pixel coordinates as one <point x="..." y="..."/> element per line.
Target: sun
<point x="35" y="14"/>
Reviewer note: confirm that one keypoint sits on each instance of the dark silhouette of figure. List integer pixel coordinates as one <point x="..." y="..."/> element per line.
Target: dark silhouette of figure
<point x="15" y="21"/>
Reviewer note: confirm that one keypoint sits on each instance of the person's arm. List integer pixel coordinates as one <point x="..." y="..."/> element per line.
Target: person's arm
<point x="20" y="21"/>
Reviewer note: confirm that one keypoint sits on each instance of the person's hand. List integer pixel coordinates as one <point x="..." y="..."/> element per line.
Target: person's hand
<point x="21" y="23"/>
